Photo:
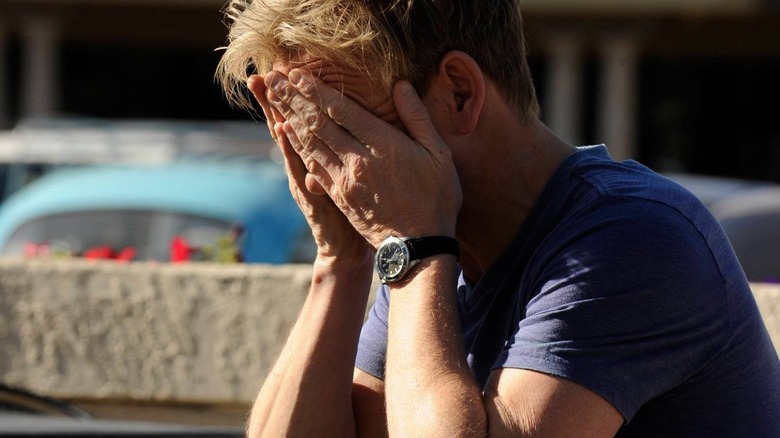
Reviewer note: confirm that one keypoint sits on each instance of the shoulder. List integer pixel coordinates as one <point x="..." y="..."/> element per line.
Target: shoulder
<point x="645" y="228"/>
<point x="628" y="205"/>
<point x="592" y="192"/>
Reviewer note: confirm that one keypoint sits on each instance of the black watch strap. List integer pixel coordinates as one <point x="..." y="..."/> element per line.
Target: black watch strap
<point x="423" y="247"/>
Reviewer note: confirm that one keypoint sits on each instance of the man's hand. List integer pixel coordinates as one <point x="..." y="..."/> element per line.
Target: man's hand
<point x="334" y="236"/>
<point x="316" y="365"/>
<point x="383" y="181"/>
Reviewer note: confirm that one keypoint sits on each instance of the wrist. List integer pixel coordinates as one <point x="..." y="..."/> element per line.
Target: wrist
<point x="430" y="270"/>
<point x="335" y="266"/>
<point x="397" y="256"/>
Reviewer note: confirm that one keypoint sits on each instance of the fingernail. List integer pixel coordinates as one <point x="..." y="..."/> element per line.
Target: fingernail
<point x="251" y="80"/>
<point x="407" y="89"/>
<point x="295" y="77"/>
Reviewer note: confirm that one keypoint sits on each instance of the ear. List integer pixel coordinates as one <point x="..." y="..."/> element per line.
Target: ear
<point x="460" y="86"/>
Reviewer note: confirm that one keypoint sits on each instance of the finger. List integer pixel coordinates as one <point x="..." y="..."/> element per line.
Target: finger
<point x="317" y="180"/>
<point x="414" y="115"/>
<point x="296" y="169"/>
<point x="306" y="143"/>
<point x="309" y="101"/>
<point x="278" y="116"/>
<point x="257" y="87"/>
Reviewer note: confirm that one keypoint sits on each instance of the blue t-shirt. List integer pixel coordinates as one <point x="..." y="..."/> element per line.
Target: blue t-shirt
<point x="622" y="282"/>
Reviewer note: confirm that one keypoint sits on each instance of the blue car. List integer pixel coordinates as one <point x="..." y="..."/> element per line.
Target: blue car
<point x="145" y="208"/>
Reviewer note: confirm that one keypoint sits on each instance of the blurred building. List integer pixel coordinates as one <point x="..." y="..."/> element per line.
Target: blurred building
<point x="689" y="85"/>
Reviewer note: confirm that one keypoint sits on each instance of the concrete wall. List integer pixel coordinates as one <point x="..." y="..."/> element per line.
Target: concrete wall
<point x="768" y="299"/>
<point x="187" y="333"/>
<point x="164" y="335"/>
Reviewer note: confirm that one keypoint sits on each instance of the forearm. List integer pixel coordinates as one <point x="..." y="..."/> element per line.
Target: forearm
<point x="308" y="391"/>
<point x="430" y="389"/>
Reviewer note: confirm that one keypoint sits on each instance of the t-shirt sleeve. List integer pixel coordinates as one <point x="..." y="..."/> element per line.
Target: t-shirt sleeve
<point x="629" y="307"/>
<point x="372" y="346"/>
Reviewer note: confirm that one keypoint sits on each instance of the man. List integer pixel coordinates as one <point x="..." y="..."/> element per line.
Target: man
<point x="549" y="291"/>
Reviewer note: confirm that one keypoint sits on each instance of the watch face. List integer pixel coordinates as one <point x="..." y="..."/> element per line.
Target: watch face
<point x="392" y="259"/>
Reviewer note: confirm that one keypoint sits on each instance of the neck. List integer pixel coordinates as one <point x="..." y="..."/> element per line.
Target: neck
<point x="501" y="188"/>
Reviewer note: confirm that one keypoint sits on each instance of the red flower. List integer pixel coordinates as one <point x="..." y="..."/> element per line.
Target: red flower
<point x="126" y="254"/>
<point x="180" y="250"/>
<point x="31" y="249"/>
<point x="99" y="253"/>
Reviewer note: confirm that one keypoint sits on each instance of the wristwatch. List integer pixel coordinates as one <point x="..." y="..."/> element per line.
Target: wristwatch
<point x="397" y="255"/>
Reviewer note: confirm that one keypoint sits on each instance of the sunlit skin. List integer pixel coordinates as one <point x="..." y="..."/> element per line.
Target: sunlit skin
<point x="380" y="103"/>
<point x="355" y="87"/>
<point x="481" y="242"/>
<point x="465" y="165"/>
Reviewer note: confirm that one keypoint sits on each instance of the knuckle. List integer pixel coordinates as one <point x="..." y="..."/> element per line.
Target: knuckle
<point x="283" y="90"/>
<point x="340" y="110"/>
<point x="315" y="120"/>
<point x="360" y="169"/>
<point x="280" y="107"/>
<point x="346" y="190"/>
<point x="308" y="89"/>
<point x="308" y="140"/>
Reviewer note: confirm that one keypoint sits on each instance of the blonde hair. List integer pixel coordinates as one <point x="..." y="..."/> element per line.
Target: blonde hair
<point x="387" y="40"/>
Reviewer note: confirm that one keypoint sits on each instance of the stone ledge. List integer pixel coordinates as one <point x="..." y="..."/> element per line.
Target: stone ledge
<point x="197" y="334"/>
<point x="768" y="300"/>
<point x="194" y="333"/>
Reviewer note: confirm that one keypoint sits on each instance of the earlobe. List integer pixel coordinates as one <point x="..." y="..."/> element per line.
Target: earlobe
<point x="463" y="81"/>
